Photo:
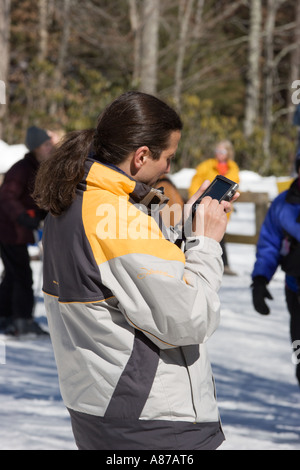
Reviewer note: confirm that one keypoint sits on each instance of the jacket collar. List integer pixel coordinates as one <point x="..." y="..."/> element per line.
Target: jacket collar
<point x="115" y="180"/>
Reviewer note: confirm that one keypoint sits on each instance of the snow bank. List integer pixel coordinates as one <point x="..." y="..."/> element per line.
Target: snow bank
<point x="249" y="181"/>
<point x="10" y="154"/>
<point x="182" y="179"/>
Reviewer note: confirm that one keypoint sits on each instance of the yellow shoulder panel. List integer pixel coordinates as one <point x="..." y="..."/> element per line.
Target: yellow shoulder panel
<point x="115" y="227"/>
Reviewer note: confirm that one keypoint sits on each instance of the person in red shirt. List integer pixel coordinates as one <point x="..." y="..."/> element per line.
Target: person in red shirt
<point x="19" y="218"/>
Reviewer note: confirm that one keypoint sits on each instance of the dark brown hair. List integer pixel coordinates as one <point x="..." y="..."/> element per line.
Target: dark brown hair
<point x="131" y="121"/>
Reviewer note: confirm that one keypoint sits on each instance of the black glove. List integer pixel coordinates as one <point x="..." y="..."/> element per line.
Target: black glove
<point x="259" y="294"/>
<point x="29" y="219"/>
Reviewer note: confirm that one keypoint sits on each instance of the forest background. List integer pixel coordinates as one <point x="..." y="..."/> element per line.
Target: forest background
<point x="231" y="69"/>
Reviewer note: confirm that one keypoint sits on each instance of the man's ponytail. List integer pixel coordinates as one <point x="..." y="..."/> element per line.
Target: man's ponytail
<point x="57" y="177"/>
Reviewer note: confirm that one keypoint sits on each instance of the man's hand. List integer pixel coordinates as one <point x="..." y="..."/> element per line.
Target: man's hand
<point x="210" y="219"/>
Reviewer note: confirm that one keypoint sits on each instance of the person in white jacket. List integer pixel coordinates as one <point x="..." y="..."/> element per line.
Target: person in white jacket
<point x="129" y="312"/>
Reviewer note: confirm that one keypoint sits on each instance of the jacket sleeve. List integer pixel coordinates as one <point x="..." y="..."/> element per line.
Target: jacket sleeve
<point x="269" y="243"/>
<point x="198" y="178"/>
<point x="234" y="173"/>
<point x="172" y="302"/>
<point x="12" y="189"/>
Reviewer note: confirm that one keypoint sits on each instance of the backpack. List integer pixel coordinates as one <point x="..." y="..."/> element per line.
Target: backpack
<point x="290" y="260"/>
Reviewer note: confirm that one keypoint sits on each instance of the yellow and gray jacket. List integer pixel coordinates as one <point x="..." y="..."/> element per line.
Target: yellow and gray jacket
<point x="129" y="314"/>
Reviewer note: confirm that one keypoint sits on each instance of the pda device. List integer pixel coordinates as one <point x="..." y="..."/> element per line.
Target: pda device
<point x="222" y="189"/>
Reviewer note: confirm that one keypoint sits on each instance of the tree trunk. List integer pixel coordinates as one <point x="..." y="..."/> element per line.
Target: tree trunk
<point x="295" y="58"/>
<point x="253" y="79"/>
<point x="43" y="30"/>
<point x="135" y="22"/>
<point x="198" y="19"/>
<point x="149" y="46"/>
<point x="4" y="62"/>
<point x="186" y="10"/>
<point x="62" y="54"/>
<point x="42" y="52"/>
<point x="268" y="82"/>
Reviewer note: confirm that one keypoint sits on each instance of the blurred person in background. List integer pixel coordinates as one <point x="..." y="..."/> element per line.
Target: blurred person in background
<point x="19" y="219"/>
<point x="222" y="164"/>
<point x="279" y="245"/>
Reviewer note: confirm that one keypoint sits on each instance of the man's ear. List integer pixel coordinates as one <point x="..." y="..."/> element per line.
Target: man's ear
<point x="140" y="157"/>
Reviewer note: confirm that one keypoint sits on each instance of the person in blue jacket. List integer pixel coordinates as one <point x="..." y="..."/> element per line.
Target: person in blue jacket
<point x="279" y="245"/>
<point x="296" y="122"/>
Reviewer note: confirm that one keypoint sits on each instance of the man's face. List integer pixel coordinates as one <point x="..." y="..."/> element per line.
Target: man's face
<point x="154" y="169"/>
<point x="43" y="151"/>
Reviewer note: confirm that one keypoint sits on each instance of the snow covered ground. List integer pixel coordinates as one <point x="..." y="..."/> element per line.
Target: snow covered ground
<point x="258" y="395"/>
<point x="32" y="414"/>
<point x="251" y="357"/>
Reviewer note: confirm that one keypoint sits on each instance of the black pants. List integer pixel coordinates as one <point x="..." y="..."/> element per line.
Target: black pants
<point x="293" y="304"/>
<point x="16" y="292"/>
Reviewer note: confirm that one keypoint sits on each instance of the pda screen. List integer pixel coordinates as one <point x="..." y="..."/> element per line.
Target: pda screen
<point x="218" y="189"/>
